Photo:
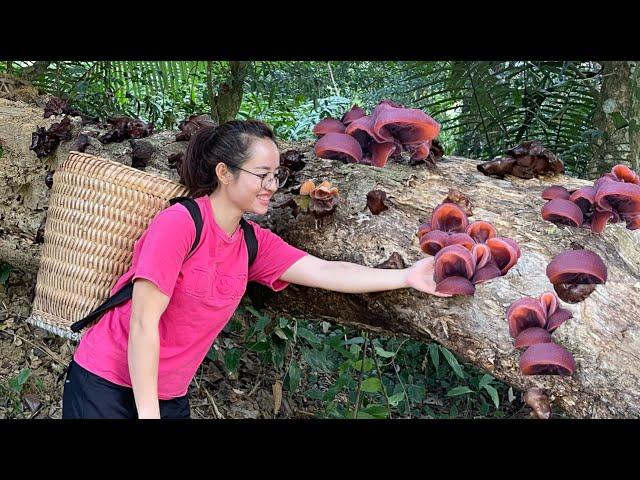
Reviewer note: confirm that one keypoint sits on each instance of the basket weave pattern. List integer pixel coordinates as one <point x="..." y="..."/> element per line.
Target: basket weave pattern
<point x="97" y="210"/>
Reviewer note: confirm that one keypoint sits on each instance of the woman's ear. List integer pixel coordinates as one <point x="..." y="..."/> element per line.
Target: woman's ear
<point x="223" y="173"/>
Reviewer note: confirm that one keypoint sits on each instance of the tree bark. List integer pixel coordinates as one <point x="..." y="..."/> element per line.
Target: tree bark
<point x="604" y="335"/>
<point x="225" y="104"/>
<point x="612" y="118"/>
<point x="634" y="118"/>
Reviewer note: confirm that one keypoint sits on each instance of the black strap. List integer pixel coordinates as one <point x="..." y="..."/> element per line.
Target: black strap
<point x="126" y="292"/>
<point x="250" y="239"/>
<point x="191" y="205"/>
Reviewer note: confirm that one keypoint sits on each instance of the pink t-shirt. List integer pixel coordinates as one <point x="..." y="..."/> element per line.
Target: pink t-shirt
<point x="205" y="291"/>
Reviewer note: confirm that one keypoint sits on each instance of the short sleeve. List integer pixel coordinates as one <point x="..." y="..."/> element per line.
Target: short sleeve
<point x="163" y="248"/>
<point x="274" y="257"/>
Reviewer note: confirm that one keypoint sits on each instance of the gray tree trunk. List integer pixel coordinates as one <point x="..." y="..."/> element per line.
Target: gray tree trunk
<point x="612" y="116"/>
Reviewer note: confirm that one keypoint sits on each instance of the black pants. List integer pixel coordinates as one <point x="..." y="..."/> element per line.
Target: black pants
<point x="87" y="395"/>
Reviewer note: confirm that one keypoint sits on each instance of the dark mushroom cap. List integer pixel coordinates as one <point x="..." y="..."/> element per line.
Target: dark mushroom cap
<point x="531" y="336"/>
<point x="578" y="267"/>
<point x="547" y="359"/>
<point x="481" y="231"/>
<point x="454" y="260"/>
<point x="328" y="125"/>
<point x="338" y="146"/>
<point x="525" y="313"/>
<point x="563" y="212"/>
<point x="555" y="191"/>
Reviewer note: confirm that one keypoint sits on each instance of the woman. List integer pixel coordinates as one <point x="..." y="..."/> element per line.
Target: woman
<point x="139" y="359"/>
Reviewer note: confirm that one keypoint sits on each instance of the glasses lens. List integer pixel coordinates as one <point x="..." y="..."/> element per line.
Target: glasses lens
<point x="282" y="174"/>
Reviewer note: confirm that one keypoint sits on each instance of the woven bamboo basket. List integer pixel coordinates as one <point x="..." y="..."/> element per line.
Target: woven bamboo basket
<point x="97" y="210"/>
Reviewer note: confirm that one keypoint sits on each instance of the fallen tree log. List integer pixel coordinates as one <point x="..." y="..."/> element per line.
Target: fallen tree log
<point x="604" y="334"/>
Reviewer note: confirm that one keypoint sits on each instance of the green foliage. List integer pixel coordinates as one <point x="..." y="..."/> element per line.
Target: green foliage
<point x="484" y="107"/>
<point x="13" y="389"/>
<point x="354" y="376"/>
<point x="487" y="107"/>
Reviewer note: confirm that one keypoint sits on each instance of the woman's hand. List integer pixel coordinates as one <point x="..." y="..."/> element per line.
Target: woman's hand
<point x="420" y="277"/>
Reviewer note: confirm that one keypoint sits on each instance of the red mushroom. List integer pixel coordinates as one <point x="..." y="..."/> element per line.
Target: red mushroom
<point x="355" y="113"/>
<point x="481" y="231"/>
<point x="547" y="359"/>
<point x="504" y="251"/>
<point x="339" y="146"/>
<point x="556" y="191"/>
<point x="454" y="267"/>
<point x="407" y="125"/>
<point x="449" y="217"/>
<point x="328" y="125"/>
<point x="525" y="313"/>
<point x="563" y="212"/>
<point x="531" y="336"/>
<point x="574" y="274"/>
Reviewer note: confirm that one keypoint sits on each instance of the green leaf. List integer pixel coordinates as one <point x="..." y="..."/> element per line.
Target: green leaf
<point x="454" y="392"/>
<point x="371" y="385"/>
<point x="231" y="358"/>
<point x="452" y="361"/>
<point x="383" y="353"/>
<point x="278" y="353"/>
<point x="315" y="394"/>
<point x="23" y="376"/>
<point x="485" y="380"/>
<point x="361" y="415"/>
<point x="435" y="356"/>
<point x="394" y="400"/>
<point x="212" y="354"/>
<point x="295" y="374"/>
<point x="368" y="365"/>
<point x="278" y="332"/>
<point x="316" y="359"/>
<point x="308" y="335"/>
<point x="416" y="393"/>
<point x="493" y="393"/>
<point x="261" y="346"/>
<point x="376" y="411"/>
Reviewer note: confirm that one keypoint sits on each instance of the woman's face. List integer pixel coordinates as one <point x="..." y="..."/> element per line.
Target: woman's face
<point x="245" y="190"/>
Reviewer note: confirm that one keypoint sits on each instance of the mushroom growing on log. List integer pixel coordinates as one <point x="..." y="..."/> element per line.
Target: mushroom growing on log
<point x="527" y="160"/>
<point x="615" y="196"/>
<point x="575" y="274"/>
<point x="384" y="133"/>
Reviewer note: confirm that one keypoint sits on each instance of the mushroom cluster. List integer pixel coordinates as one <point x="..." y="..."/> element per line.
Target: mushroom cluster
<point x="123" y="128"/>
<point x="192" y="124"/>
<point x="321" y="201"/>
<point x="58" y="106"/>
<point x="527" y="160"/>
<point x="372" y="139"/>
<point x="575" y="274"/>
<point x="465" y="253"/>
<point x="614" y="197"/>
<point x="44" y="141"/>
<point x="531" y="322"/>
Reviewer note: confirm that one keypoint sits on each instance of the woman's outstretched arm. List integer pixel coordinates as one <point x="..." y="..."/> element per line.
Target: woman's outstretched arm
<point x="349" y="277"/>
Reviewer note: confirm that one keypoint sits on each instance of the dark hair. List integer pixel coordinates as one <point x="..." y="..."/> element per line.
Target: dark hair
<point x="228" y="143"/>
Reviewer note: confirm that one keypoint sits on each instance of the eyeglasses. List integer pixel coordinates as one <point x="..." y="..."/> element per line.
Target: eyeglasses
<point x="279" y="176"/>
